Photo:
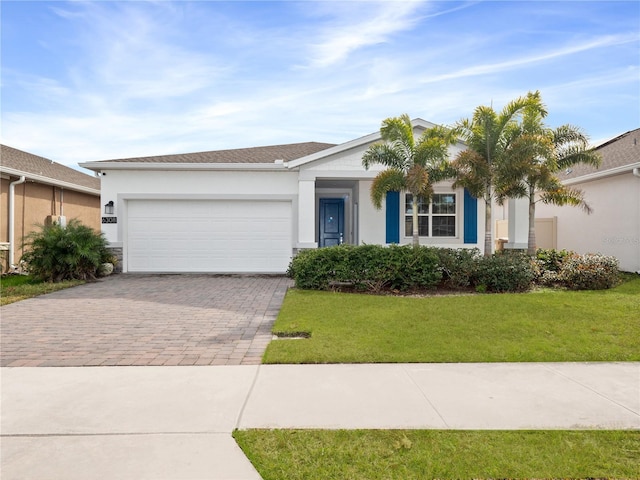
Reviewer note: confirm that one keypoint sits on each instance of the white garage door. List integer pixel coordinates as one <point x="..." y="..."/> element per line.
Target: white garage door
<point x="220" y="236"/>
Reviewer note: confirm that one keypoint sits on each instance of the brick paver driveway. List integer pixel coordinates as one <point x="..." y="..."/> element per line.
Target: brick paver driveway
<point x="145" y="320"/>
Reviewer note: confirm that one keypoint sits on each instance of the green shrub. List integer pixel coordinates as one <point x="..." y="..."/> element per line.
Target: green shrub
<point x="458" y="265"/>
<point x="315" y="269"/>
<point x="504" y="272"/>
<point x="55" y="253"/>
<point x="365" y="267"/>
<point x="589" y="272"/>
<point x="412" y="267"/>
<point x="374" y="268"/>
<point x="547" y="265"/>
<point x="551" y="259"/>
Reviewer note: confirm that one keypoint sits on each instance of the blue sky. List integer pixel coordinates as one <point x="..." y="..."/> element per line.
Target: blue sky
<point x="86" y="81"/>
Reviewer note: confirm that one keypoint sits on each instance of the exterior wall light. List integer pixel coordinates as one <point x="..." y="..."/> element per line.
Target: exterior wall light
<point x="108" y="208"/>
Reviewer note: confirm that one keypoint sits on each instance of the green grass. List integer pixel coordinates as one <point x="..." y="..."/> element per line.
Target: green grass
<point x="425" y="454"/>
<point x="546" y="325"/>
<point x="14" y="288"/>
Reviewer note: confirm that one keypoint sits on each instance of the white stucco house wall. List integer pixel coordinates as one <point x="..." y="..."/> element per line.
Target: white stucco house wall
<point x="613" y="191"/>
<point x="250" y="210"/>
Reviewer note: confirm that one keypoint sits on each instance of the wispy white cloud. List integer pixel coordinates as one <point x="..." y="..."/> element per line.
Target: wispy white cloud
<point x="141" y="78"/>
<point x="535" y="58"/>
<point x="370" y="24"/>
<point x="130" y="52"/>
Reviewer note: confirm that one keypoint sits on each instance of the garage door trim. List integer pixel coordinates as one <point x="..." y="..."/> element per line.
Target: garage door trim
<point x="123" y="217"/>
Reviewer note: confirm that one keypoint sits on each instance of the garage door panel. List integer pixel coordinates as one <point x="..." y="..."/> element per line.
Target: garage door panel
<point x="208" y="236"/>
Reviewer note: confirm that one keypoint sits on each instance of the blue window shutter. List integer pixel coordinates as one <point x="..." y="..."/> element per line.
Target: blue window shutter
<point x="393" y="217"/>
<point x="470" y="218"/>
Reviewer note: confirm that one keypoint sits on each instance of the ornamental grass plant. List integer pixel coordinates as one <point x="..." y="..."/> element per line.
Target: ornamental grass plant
<point x="73" y="252"/>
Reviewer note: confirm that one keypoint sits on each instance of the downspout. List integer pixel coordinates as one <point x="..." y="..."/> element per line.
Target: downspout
<point x="12" y="188"/>
<point x="62" y="220"/>
<point x="636" y="173"/>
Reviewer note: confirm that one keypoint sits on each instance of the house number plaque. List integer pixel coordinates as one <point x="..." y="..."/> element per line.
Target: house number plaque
<point x="109" y="219"/>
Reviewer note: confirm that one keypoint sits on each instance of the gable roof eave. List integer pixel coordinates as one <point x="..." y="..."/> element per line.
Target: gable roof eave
<point x="44" y="170"/>
<point x="102" y="166"/>
<point x="598" y="175"/>
<point x="619" y="154"/>
<point x="268" y="154"/>
<point x="49" y="181"/>
<point x="358" y="142"/>
<point x="373" y="137"/>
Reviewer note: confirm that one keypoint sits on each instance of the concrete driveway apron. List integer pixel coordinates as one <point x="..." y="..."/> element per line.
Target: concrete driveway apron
<point x="135" y="320"/>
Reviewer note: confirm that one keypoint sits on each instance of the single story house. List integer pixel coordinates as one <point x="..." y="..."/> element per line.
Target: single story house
<point x="614" y="226"/>
<point x="35" y="190"/>
<point x="250" y="210"/>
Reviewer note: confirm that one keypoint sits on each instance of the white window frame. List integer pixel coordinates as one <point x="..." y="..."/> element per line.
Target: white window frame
<point x="430" y="215"/>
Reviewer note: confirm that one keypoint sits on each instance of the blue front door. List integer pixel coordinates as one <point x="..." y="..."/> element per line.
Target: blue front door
<point x="331" y="222"/>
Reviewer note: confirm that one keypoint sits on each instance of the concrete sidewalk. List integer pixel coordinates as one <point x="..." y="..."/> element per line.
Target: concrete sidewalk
<point x="176" y="422"/>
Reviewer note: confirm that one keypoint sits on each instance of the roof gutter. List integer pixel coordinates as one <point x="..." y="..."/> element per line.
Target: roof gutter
<point x="12" y="188"/>
<point x="106" y="165"/>
<point x="633" y="168"/>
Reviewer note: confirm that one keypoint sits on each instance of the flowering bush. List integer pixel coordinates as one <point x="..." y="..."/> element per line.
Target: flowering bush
<point x="547" y="265"/>
<point x="589" y="272"/>
<point x="551" y="259"/>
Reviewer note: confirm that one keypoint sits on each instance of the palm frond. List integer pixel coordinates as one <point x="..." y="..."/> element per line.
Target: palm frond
<point x="431" y="152"/>
<point x="417" y="181"/>
<point x="443" y="171"/>
<point x="571" y="155"/>
<point x="568" y="133"/>
<point x="472" y="172"/>
<point x="398" y="130"/>
<point x="382" y="154"/>
<point x="390" y="180"/>
<point x="564" y="195"/>
<point x="464" y="129"/>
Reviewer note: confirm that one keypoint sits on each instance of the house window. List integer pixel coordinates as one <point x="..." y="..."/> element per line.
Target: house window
<point x="435" y="219"/>
<point x="423" y="216"/>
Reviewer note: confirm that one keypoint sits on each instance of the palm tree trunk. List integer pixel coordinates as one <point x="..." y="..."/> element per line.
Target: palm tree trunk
<point x="488" y="237"/>
<point x="531" y="241"/>
<point x="416" y="232"/>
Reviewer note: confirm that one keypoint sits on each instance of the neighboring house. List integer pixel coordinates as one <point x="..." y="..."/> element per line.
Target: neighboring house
<point x="613" y="191"/>
<point x="251" y="210"/>
<point x="35" y="190"/>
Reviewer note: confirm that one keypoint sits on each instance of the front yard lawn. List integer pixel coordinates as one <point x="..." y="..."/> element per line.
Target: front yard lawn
<point x="545" y="325"/>
<point x="14" y="288"/>
<point x="424" y="454"/>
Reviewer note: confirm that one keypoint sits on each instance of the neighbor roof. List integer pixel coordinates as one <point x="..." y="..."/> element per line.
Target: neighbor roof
<point x="618" y="152"/>
<point x="44" y="170"/>
<point x="268" y="154"/>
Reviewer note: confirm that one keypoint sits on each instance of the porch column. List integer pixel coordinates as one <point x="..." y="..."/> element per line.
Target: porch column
<point x="307" y="214"/>
<point x="518" y="223"/>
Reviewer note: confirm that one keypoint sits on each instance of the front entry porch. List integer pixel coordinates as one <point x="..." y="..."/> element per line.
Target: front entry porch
<point x="336" y="212"/>
<point x="328" y="212"/>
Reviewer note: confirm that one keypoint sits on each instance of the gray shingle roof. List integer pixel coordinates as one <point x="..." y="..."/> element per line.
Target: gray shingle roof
<point x="28" y="163"/>
<point x="266" y="154"/>
<point x="617" y="152"/>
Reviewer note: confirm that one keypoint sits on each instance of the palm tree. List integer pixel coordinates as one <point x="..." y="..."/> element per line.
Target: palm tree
<point x="536" y="154"/>
<point x="487" y="137"/>
<point x="412" y="165"/>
